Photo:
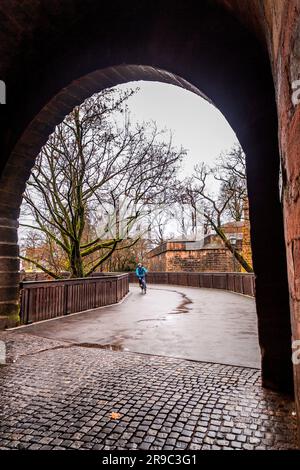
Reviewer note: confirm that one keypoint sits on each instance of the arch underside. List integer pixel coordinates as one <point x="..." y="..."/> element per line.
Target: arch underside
<point x="212" y="55"/>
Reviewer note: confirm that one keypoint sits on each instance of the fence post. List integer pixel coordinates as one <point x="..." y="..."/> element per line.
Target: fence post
<point x="66" y="299"/>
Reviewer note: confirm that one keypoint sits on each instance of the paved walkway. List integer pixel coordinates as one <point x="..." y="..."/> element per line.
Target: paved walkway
<point x="57" y="396"/>
<point x="188" y="323"/>
<point x="60" y="389"/>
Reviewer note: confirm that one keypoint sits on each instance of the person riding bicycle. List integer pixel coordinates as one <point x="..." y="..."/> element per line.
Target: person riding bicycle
<point x="141" y="272"/>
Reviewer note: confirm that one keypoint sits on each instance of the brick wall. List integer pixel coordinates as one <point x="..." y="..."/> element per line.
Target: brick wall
<point x="31" y="50"/>
<point x="246" y="244"/>
<point x="204" y="260"/>
<point x="281" y="21"/>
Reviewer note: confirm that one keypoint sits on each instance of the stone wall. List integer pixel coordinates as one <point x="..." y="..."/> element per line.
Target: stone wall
<point x="158" y="262"/>
<point x="50" y="65"/>
<point x="204" y="260"/>
<point x="34" y="276"/>
<point x="282" y="25"/>
<point x="246" y="245"/>
<point x="26" y="276"/>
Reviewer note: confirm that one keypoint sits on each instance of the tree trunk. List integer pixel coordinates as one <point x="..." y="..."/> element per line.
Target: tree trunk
<point x="76" y="264"/>
<point x="236" y="254"/>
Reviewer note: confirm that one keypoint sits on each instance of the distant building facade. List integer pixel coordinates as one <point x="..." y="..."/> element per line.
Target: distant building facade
<point x="207" y="255"/>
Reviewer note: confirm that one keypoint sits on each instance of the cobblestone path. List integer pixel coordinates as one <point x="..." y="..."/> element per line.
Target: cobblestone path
<point x="55" y="395"/>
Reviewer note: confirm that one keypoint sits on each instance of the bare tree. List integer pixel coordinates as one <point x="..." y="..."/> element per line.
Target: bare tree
<point x="231" y="172"/>
<point x="39" y="251"/>
<point x="158" y="221"/>
<point x="94" y="171"/>
<point x="228" y="202"/>
<point x="126" y="259"/>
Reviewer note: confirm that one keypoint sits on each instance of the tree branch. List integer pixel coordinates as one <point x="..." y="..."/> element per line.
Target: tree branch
<point x="38" y="265"/>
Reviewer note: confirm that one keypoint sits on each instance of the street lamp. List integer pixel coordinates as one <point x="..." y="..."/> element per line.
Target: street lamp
<point x="233" y="241"/>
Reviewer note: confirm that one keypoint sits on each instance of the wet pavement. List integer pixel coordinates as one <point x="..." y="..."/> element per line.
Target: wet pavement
<point x="181" y="322"/>
<point x="54" y="395"/>
<point x="62" y="388"/>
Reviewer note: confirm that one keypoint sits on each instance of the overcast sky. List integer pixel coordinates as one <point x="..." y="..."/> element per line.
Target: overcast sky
<point x="197" y="125"/>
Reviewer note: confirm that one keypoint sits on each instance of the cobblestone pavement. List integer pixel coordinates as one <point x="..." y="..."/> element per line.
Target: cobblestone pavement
<point x="55" y="395"/>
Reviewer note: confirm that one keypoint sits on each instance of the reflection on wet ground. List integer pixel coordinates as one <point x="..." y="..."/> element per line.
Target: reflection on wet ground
<point x="110" y="347"/>
<point x="183" y="307"/>
<point x="190" y="323"/>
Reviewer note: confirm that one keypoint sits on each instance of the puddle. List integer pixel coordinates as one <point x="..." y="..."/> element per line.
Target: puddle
<point x="152" y="319"/>
<point x="110" y="347"/>
<point x="183" y="307"/>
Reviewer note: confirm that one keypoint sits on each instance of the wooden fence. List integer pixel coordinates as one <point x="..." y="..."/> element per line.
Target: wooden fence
<point x="42" y="300"/>
<point x="242" y="283"/>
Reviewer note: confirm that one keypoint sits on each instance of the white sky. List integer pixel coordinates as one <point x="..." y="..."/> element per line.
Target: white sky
<point x="197" y="125"/>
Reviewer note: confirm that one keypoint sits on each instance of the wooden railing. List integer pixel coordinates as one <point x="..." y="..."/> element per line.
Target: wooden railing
<point x="242" y="283"/>
<point x="50" y="299"/>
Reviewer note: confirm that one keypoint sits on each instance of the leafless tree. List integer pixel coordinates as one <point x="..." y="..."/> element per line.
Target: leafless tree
<point x="231" y="172"/>
<point x="227" y="204"/>
<point x="38" y="250"/>
<point x="95" y="171"/>
<point x="158" y="221"/>
<point x="126" y="259"/>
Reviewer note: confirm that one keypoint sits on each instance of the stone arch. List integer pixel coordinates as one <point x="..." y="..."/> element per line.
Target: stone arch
<point x="214" y="53"/>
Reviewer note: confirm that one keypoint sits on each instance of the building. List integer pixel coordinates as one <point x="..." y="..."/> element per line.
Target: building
<point x="207" y="255"/>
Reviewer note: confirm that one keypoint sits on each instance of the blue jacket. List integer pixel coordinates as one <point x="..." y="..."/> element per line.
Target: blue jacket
<point x="140" y="272"/>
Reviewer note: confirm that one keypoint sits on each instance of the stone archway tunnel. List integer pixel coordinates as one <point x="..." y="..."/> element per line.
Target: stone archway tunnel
<point x="244" y="56"/>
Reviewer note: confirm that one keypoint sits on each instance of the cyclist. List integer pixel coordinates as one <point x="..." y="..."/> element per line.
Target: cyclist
<point x="141" y="272"/>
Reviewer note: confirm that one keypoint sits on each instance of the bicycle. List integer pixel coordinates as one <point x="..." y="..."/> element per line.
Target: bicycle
<point x="143" y="285"/>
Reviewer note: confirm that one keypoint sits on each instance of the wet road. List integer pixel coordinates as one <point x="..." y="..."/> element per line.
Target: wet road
<point x="181" y="322"/>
